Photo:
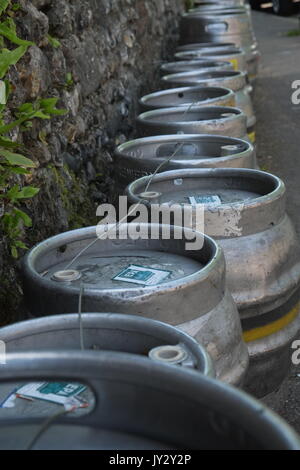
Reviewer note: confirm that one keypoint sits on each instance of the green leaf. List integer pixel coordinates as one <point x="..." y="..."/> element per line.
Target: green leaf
<point x="53" y="41"/>
<point x="41" y="115"/>
<point x="21" y="245"/>
<point x="2" y="92"/>
<point x="27" y="192"/>
<point x="16" y="159"/>
<point x="8" y="143"/>
<point x="8" y="58"/>
<point x="22" y="215"/>
<point x="25" y="108"/>
<point x="13" y="192"/>
<point x="48" y="105"/>
<point x="14" y="251"/>
<point x="16" y="6"/>
<point x="19" y="171"/>
<point x="7" y="29"/>
<point x="3" y="5"/>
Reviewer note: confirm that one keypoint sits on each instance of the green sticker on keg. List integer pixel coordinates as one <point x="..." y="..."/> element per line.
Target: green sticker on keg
<point x="57" y="392"/>
<point x="209" y="199"/>
<point x="142" y="275"/>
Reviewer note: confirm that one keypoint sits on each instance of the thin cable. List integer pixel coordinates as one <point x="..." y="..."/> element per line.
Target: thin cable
<point x="80" y="317"/>
<point x="171" y="156"/>
<point x="45" y="426"/>
<point x="117" y="225"/>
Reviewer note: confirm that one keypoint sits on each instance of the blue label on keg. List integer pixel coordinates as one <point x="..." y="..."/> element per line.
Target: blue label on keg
<point x="142" y="275"/>
<point x="209" y="199"/>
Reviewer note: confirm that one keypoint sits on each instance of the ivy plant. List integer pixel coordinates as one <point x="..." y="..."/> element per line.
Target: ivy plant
<point x="14" y="166"/>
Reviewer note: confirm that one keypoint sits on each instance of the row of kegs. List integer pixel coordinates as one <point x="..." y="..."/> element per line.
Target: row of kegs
<point x="187" y="329"/>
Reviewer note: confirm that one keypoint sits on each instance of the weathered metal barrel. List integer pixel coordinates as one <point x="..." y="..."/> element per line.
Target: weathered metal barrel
<point x="128" y="395"/>
<point x="108" y="331"/>
<point x="245" y="213"/>
<point x="233" y="80"/>
<point x="199" y="64"/>
<point x="200" y="3"/>
<point x="197" y="27"/>
<point x="186" y="96"/>
<point x="234" y="55"/>
<point x="205" y="46"/>
<point x="252" y="56"/>
<point x="142" y="157"/>
<point x="212" y="7"/>
<point x="229" y="26"/>
<point x="220" y="120"/>
<point x="171" y="280"/>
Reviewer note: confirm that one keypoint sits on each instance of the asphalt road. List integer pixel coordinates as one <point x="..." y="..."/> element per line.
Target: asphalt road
<point x="278" y="138"/>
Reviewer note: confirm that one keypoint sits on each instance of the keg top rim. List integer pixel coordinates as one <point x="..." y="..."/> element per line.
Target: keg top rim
<point x="272" y="431"/>
<point x="210" y="53"/>
<point x="167" y="334"/>
<point x="209" y="113"/>
<point x="220" y="92"/>
<point x="124" y="149"/>
<point x="134" y="188"/>
<point x="207" y="45"/>
<point x="199" y="61"/>
<point x="212" y="14"/>
<point x="40" y="251"/>
<point x="208" y="75"/>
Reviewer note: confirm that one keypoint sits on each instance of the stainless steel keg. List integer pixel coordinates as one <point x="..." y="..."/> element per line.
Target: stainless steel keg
<point x="187" y="96"/>
<point x="111" y="332"/>
<point x="200" y="64"/>
<point x="236" y="81"/>
<point x="200" y="3"/>
<point x="220" y="120"/>
<point x="205" y="46"/>
<point x="141" y="157"/>
<point x="165" y="278"/>
<point x="234" y="55"/>
<point x="245" y="213"/>
<point x="128" y="394"/>
<point x="234" y="27"/>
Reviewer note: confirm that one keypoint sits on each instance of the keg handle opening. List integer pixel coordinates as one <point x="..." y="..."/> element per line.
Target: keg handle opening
<point x="172" y="354"/>
<point x="216" y="27"/>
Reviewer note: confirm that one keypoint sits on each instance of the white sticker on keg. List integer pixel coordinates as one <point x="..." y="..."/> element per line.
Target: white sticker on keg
<point x="194" y="200"/>
<point x="142" y="275"/>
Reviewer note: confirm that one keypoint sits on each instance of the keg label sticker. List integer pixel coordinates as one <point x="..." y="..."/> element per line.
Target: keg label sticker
<point x="56" y="392"/>
<point x="210" y="199"/>
<point x="142" y="275"/>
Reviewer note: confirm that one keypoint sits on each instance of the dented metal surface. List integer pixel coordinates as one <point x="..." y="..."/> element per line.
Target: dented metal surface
<point x="141" y="157"/>
<point x="199" y="64"/>
<point x="220" y="120"/>
<point x="108" y="331"/>
<point x="187" y="96"/>
<point x="195" y="412"/>
<point x="262" y="257"/>
<point x="234" y="55"/>
<point x="194" y="297"/>
<point x="234" y="80"/>
<point x="230" y="27"/>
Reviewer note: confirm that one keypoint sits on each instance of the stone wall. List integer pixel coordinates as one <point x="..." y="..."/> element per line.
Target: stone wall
<point x="108" y="56"/>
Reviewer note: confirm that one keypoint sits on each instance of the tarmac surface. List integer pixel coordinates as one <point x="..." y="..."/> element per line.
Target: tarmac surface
<point x="278" y="142"/>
